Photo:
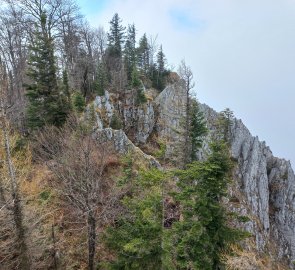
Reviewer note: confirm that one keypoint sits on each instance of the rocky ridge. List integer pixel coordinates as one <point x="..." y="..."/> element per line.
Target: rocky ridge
<point x="264" y="185"/>
<point x="268" y="186"/>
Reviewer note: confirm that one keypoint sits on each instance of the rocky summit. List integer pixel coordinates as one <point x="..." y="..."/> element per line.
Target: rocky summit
<point x="264" y="185"/>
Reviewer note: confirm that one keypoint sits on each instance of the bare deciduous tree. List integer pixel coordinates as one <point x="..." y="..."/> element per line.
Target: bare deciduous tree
<point x="13" y="51"/>
<point x="101" y="38"/>
<point x="79" y="164"/>
<point x="186" y="75"/>
<point x="153" y="47"/>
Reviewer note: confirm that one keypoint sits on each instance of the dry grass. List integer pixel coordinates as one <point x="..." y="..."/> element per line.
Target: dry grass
<point x="241" y="259"/>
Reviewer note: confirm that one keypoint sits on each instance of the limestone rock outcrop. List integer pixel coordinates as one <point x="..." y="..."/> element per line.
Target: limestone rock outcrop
<point x="104" y="108"/>
<point x="264" y="185"/>
<point x="281" y="181"/>
<point x="138" y="121"/>
<point x="268" y="185"/>
<point x="123" y="145"/>
<point x="171" y="106"/>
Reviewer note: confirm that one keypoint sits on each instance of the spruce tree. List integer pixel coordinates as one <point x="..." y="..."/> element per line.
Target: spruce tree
<point x="78" y="102"/>
<point x="203" y="233"/>
<point x="161" y="71"/>
<point x="137" y="237"/>
<point x="66" y="87"/>
<point x="46" y="106"/>
<point x="198" y="128"/>
<point x="116" y="36"/>
<point x="101" y="79"/>
<point x="224" y="124"/>
<point x="161" y="59"/>
<point x="130" y="51"/>
<point x="135" y="81"/>
<point x="138" y="86"/>
<point x="65" y="94"/>
<point x="143" y="55"/>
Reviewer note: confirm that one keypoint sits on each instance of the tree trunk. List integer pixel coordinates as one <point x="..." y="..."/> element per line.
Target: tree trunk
<point x="187" y="130"/>
<point x="2" y="196"/>
<point x="91" y="222"/>
<point x="20" y="234"/>
<point x="55" y="262"/>
<point x="21" y="245"/>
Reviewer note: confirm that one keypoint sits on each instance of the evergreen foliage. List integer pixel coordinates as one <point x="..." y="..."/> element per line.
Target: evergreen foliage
<point x="78" y="102"/>
<point x="161" y="59"/>
<point x="116" y="122"/>
<point x="66" y="87"/>
<point x="203" y="233"/>
<point x="65" y="95"/>
<point x="143" y="55"/>
<point x="135" y="81"/>
<point x="141" y="98"/>
<point x="130" y="51"/>
<point x="139" y="238"/>
<point x="224" y="124"/>
<point x="140" y="58"/>
<point x="160" y="69"/>
<point x="137" y="84"/>
<point x="46" y="104"/>
<point x="198" y="128"/>
<point x="136" y="238"/>
<point x="116" y="36"/>
<point x="101" y="79"/>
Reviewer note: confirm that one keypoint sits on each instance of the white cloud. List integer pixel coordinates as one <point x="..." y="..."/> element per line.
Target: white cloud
<point x="242" y="54"/>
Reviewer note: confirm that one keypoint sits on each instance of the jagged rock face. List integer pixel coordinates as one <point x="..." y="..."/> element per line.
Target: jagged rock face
<point x="123" y="145"/>
<point x="139" y="121"/>
<point x="171" y="104"/>
<point x="264" y="185"/>
<point x="128" y="109"/>
<point x="104" y="108"/>
<point x="282" y="205"/>
<point x="145" y="122"/>
<point x="268" y="186"/>
<point x="252" y="176"/>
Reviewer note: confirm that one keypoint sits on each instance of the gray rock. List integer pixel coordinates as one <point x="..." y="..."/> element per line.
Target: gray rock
<point x="145" y="122"/>
<point x="171" y="104"/>
<point x="104" y="109"/>
<point x="139" y="120"/>
<point x="123" y="145"/>
<point x="267" y="185"/>
<point x="263" y="184"/>
<point x="252" y="175"/>
<point x="282" y="205"/>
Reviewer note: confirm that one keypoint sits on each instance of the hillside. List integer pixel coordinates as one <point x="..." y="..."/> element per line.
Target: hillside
<point x="110" y="162"/>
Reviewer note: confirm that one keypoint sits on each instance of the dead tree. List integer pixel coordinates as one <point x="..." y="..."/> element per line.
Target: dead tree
<point x="15" y="205"/>
<point x="186" y="76"/>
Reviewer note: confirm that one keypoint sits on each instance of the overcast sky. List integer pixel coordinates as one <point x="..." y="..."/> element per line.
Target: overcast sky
<point x="242" y="53"/>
